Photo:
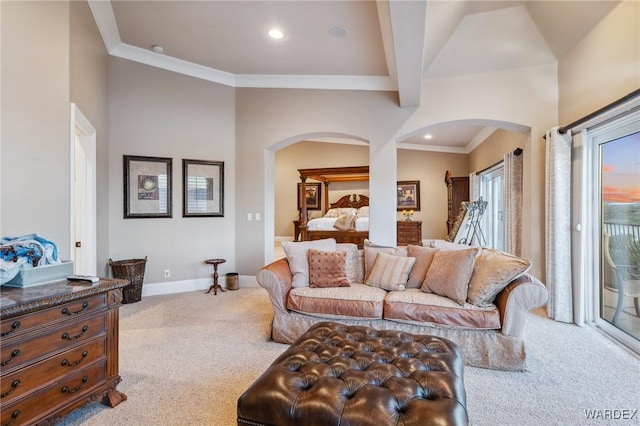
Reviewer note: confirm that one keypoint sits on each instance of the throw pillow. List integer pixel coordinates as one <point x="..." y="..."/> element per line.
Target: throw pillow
<point x="390" y="272"/>
<point x="297" y="256"/>
<point x="327" y="268"/>
<point x="492" y="272"/>
<point x="371" y="250"/>
<point x="449" y="274"/>
<point x="424" y="257"/>
<point x="353" y="262"/>
<point x="346" y="222"/>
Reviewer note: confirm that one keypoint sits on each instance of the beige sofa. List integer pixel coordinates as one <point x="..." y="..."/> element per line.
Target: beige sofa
<point x="490" y="335"/>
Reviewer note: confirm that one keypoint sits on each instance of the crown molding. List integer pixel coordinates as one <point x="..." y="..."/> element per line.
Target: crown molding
<point x="108" y="28"/>
<point x="433" y="148"/>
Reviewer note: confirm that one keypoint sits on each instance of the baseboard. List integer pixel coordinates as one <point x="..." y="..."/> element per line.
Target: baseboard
<point x="184" y="286"/>
<point x="280" y="239"/>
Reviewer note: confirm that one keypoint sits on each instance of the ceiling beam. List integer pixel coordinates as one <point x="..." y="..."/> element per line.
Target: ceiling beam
<point x="408" y="24"/>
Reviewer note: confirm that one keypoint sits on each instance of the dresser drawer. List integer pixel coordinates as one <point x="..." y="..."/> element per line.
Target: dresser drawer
<point x="409" y="232"/>
<point x="12" y="327"/>
<point x="25" y="411"/>
<point x="30" y="378"/>
<point x="14" y="354"/>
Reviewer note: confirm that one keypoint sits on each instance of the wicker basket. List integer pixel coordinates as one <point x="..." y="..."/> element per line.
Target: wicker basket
<point x="133" y="271"/>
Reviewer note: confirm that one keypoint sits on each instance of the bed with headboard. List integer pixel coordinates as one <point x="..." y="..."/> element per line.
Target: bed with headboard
<point x="347" y="219"/>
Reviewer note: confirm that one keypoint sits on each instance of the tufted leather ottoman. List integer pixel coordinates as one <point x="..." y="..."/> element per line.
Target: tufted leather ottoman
<point x="336" y="374"/>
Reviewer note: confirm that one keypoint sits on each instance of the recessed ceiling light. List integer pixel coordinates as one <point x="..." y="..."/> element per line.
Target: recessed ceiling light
<point x="157" y="48"/>
<point x="275" y="33"/>
<point x="337" y="31"/>
<point x="428" y="136"/>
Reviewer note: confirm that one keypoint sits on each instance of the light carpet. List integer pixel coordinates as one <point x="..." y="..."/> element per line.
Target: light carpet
<point x="186" y="358"/>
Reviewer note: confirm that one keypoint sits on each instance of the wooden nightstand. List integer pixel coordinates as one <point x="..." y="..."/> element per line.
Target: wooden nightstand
<point x="409" y="232"/>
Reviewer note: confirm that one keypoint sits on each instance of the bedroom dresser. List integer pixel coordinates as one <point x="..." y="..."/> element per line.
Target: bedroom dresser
<point x="59" y="349"/>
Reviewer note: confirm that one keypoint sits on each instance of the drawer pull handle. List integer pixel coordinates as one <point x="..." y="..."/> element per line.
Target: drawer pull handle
<point x="65" y="362"/>
<point x="14" y="386"/>
<point x="14" y="416"/>
<point x="66" y="311"/>
<point x="14" y="327"/>
<point x="14" y="355"/>
<point x="66" y="336"/>
<point x="65" y="389"/>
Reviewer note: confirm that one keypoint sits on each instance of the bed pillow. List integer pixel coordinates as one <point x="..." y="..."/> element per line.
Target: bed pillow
<point x="450" y="272"/>
<point x="492" y="272"/>
<point x="332" y="213"/>
<point x="346" y="222"/>
<point x="363" y="211"/>
<point x="390" y="272"/>
<point x="298" y="261"/>
<point x="424" y="257"/>
<point x="327" y="268"/>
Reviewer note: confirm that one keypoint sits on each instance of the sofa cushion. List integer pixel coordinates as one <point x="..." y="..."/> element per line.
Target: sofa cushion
<point x="492" y="271"/>
<point x="450" y="272"/>
<point x="371" y="251"/>
<point x="417" y="307"/>
<point x="424" y="257"/>
<point x="359" y="301"/>
<point x="390" y="272"/>
<point x="327" y="268"/>
<point x="353" y="262"/>
<point x="298" y="261"/>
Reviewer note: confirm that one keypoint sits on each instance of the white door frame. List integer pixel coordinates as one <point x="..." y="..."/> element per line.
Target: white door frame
<point x="87" y="142"/>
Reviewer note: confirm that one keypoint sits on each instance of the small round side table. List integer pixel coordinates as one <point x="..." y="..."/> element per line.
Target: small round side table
<point x="215" y="286"/>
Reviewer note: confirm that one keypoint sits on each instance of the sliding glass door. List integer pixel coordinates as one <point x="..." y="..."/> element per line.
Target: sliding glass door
<point x="617" y="173"/>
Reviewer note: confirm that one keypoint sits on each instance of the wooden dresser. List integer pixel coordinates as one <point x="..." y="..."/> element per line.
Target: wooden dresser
<point x="409" y="232"/>
<point x="457" y="192"/>
<point x="59" y="349"/>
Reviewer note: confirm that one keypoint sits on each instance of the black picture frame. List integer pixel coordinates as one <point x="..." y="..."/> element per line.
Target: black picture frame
<point x="408" y="193"/>
<point x="202" y="188"/>
<point x="314" y="196"/>
<point x="147" y="187"/>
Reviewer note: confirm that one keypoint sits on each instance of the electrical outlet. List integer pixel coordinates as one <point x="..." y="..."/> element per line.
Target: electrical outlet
<point x="211" y="269"/>
<point x="258" y="216"/>
<point x="249" y="218"/>
<point x="167" y="273"/>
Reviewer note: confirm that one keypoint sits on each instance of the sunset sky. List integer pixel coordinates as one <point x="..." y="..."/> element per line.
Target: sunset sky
<point x="621" y="170"/>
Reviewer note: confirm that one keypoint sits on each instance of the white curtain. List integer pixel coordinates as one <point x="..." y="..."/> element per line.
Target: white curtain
<point x="474" y="186"/>
<point x="513" y="202"/>
<point x="558" y="225"/>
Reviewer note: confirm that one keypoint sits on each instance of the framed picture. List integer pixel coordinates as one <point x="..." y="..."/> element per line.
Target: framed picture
<point x="147" y="187"/>
<point x="312" y="193"/>
<point x="202" y="188"/>
<point x="408" y="193"/>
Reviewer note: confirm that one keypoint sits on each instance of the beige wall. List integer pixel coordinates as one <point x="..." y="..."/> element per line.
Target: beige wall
<point x="269" y="120"/>
<point x="494" y="148"/>
<point x="158" y="113"/>
<point x="88" y="86"/>
<point x="429" y="168"/>
<point x="603" y="67"/>
<point x="35" y="182"/>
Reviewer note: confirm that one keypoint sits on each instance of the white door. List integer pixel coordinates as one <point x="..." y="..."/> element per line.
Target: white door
<point x="83" y="207"/>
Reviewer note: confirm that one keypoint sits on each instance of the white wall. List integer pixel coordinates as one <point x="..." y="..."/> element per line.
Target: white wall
<point x="158" y="113"/>
<point x="272" y="119"/>
<point x="35" y="121"/>
<point x="603" y="67"/>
